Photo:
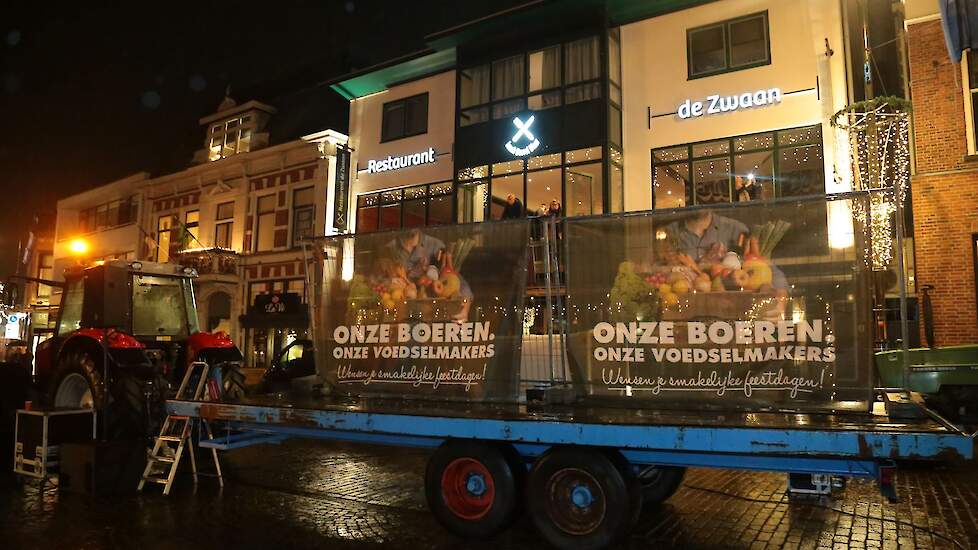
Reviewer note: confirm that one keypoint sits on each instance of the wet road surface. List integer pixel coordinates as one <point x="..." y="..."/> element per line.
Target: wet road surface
<point x="310" y="494"/>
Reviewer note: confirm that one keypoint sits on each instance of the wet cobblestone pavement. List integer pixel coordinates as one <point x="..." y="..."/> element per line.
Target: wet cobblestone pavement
<point x="308" y="494"/>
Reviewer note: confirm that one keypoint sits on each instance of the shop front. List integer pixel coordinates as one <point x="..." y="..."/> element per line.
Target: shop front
<point x="275" y="319"/>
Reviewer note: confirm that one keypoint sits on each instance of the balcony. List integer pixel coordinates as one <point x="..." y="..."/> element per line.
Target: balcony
<point x="213" y="263"/>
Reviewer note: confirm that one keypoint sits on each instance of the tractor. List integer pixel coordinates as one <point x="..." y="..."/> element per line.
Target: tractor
<point x="126" y="333"/>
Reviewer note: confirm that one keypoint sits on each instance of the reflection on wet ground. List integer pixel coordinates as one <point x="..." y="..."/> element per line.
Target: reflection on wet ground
<point x="309" y="494"/>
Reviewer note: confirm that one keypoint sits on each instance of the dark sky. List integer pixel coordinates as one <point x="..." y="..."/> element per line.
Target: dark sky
<point x="93" y="92"/>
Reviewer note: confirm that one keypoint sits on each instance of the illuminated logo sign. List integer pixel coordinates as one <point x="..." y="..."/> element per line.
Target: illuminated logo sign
<point x="716" y="104"/>
<point x="404" y="161"/>
<point x="524" y="134"/>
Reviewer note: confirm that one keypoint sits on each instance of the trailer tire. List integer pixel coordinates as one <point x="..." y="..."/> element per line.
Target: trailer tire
<point x="579" y="499"/>
<point x="472" y="488"/>
<point x="659" y="483"/>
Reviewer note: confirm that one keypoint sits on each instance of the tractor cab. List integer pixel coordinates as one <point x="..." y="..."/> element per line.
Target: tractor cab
<point x="151" y="302"/>
<point x="127" y="331"/>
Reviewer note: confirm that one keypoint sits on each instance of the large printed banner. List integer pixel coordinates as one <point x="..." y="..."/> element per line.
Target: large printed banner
<point x="430" y="312"/>
<point x="745" y="306"/>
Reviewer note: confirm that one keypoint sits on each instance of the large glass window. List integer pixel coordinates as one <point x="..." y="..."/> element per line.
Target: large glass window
<point x="159" y="306"/>
<point x="536" y="80"/>
<point x="405" y="117"/>
<point x="224" y="225"/>
<point x="728" y="45"/>
<point x="303" y="214"/>
<point x="265" y="223"/>
<point x="571" y="183"/>
<point x="760" y="166"/>
<point x="416" y="206"/>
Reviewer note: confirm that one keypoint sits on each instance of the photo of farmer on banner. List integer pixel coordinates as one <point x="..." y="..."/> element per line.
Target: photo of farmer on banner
<point x="419" y="266"/>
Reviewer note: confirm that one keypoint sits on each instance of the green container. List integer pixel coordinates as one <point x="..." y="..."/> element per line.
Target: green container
<point x="930" y="369"/>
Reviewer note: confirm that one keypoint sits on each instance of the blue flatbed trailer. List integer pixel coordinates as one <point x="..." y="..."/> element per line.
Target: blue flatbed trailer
<point x="847" y="444"/>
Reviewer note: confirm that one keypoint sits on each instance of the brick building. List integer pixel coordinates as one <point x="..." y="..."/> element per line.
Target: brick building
<point x="945" y="181"/>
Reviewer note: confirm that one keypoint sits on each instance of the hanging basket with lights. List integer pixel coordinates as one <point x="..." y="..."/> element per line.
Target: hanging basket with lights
<point x="878" y="132"/>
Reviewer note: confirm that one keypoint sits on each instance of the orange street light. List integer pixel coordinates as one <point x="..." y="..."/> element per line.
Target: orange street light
<point x="78" y="247"/>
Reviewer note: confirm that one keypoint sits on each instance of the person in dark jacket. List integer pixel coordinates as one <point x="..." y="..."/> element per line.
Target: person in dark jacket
<point x="513" y="209"/>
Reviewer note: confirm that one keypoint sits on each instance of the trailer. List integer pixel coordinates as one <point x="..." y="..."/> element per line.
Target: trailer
<point x="575" y="369"/>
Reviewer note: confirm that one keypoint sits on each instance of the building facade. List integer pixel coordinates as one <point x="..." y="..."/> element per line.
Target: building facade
<point x="945" y="180"/>
<point x="618" y="106"/>
<point x="667" y="109"/>
<point x="237" y="216"/>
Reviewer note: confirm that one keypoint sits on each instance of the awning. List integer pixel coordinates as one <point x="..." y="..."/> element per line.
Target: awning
<point x="960" y="21"/>
<point x="282" y="320"/>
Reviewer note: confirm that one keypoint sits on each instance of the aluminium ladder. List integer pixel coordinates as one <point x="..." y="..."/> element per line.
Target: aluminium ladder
<point x="176" y="430"/>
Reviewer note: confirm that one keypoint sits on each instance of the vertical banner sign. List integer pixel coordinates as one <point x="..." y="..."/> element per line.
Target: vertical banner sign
<point x="429" y="312"/>
<point x="341" y="190"/>
<point x="746" y="306"/>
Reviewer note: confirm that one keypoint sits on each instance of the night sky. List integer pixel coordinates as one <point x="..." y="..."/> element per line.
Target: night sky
<point x="93" y="93"/>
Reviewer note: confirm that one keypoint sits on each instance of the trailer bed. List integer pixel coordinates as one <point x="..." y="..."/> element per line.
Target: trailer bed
<point x="846" y="444"/>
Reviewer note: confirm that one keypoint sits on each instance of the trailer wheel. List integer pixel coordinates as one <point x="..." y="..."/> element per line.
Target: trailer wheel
<point x="578" y="498"/>
<point x="659" y="483"/>
<point x="471" y="488"/>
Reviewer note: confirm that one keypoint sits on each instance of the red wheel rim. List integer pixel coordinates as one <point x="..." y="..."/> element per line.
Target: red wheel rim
<point x="467" y="488"/>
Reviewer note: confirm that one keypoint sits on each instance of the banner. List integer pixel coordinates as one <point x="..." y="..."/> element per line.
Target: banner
<point x="341" y="190"/>
<point x="749" y="306"/>
<point x="433" y="311"/>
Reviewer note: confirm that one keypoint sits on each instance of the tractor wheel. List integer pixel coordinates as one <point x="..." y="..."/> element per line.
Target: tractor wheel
<point x="78" y="384"/>
<point x="472" y="488"/>
<point x="234" y="381"/>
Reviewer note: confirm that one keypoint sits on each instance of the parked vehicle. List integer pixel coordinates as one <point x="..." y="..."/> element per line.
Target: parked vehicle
<point x="296" y="360"/>
<point x="126" y="332"/>
<point x="948" y="377"/>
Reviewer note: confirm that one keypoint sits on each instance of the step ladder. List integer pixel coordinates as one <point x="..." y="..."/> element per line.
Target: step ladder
<point x="176" y="435"/>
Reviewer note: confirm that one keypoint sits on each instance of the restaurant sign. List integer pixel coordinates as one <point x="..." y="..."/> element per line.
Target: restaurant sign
<point x="716" y="104"/>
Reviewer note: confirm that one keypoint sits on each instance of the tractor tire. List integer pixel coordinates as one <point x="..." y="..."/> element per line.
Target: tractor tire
<point x="78" y="383"/>
<point x="234" y="382"/>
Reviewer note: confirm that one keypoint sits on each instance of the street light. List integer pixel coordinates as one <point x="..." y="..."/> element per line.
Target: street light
<point x="78" y="247"/>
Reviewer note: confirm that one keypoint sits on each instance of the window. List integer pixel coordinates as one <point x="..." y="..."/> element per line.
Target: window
<point x="303" y="215"/>
<point x="191" y="226"/>
<point x="45" y="270"/>
<point x="573" y="180"/>
<point x="107" y="215"/>
<point x="230" y="137"/>
<point x="224" y="225"/>
<point x="536" y="80"/>
<point x="159" y="306"/>
<point x="71" y="307"/>
<point x="728" y="46"/>
<point x="164" y="228"/>
<point x="405" y="117"/>
<point x="417" y="206"/>
<point x="768" y="165"/>
<point x="969" y="65"/>
<point x="265" y="228"/>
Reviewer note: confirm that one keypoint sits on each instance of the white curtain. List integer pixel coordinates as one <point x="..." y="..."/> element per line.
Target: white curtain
<point x="583" y="61"/>
<point x="508" y="77"/>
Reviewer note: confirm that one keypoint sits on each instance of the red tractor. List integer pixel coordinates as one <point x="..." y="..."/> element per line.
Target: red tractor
<point x="126" y="333"/>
